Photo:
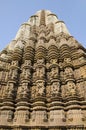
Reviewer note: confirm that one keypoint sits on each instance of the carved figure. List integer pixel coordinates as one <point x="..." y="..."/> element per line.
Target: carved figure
<point x="54" y="72"/>
<point x="23" y="90"/>
<point x="3" y="76"/>
<point x="40" y="88"/>
<point x="40" y="72"/>
<point x="33" y="91"/>
<point x="71" y="88"/>
<point x="26" y="73"/>
<point x="68" y="72"/>
<point x="8" y="91"/>
<point x="55" y="88"/>
<point x="13" y="74"/>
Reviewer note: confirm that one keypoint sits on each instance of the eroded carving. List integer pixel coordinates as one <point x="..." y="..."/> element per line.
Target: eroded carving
<point x="13" y="74"/>
<point x="71" y="88"/>
<point x="40" y="88"/>
<point x="55" y="87"/>
<point x="23" y="91"/>
<point x="68" y="72"/>
<point x="40" y="72"/>
<point x="26" y="74"/>
<point x="8" y="91"/>
<point x="54" y="72"/>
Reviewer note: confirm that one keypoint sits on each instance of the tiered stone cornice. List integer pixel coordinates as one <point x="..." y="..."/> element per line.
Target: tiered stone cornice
<point x="43" y="77"/>
<point x="29" y="51"/>
<point x="17" y="54"/>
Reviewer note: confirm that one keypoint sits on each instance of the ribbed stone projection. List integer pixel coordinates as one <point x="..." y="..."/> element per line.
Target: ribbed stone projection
<point x="43" y="77"/>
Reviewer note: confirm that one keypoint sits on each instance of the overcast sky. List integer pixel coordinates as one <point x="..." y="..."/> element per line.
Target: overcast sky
<point x="15" y="12"/>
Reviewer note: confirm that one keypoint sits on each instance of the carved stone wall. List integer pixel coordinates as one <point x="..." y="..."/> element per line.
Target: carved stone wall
<point x="43" y="78"/>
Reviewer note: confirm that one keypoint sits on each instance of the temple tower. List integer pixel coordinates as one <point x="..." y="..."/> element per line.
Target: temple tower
<point x="43" y="77"/>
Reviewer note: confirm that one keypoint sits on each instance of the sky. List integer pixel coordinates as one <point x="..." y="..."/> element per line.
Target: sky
<point x="15" y="12"/>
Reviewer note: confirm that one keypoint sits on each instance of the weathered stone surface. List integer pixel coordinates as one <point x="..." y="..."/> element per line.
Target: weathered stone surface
<point x="43" y="78"/>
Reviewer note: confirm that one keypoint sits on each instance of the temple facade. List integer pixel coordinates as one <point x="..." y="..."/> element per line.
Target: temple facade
<point x="43" y="77"/>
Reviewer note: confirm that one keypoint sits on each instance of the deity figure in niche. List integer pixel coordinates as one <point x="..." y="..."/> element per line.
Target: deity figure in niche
<point x="40" y="72"/>
<point x="69" y="72"/>
<point x="26" y="73"/>
<point x="54" y="72"/>
<point x="2" y="75"/>
<point x="40" y="89"/>
<point x="23" y="90"/>
<point x="71" y="88"/>
<point x="13" y="74"/>
<point x="55" y="87"/>
<point x="33" y="91"/>
<point x="8" y="91"/>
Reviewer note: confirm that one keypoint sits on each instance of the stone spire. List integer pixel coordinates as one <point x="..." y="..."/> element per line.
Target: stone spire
<point x="42" y="18"/>
<point x="43" y="77"/>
